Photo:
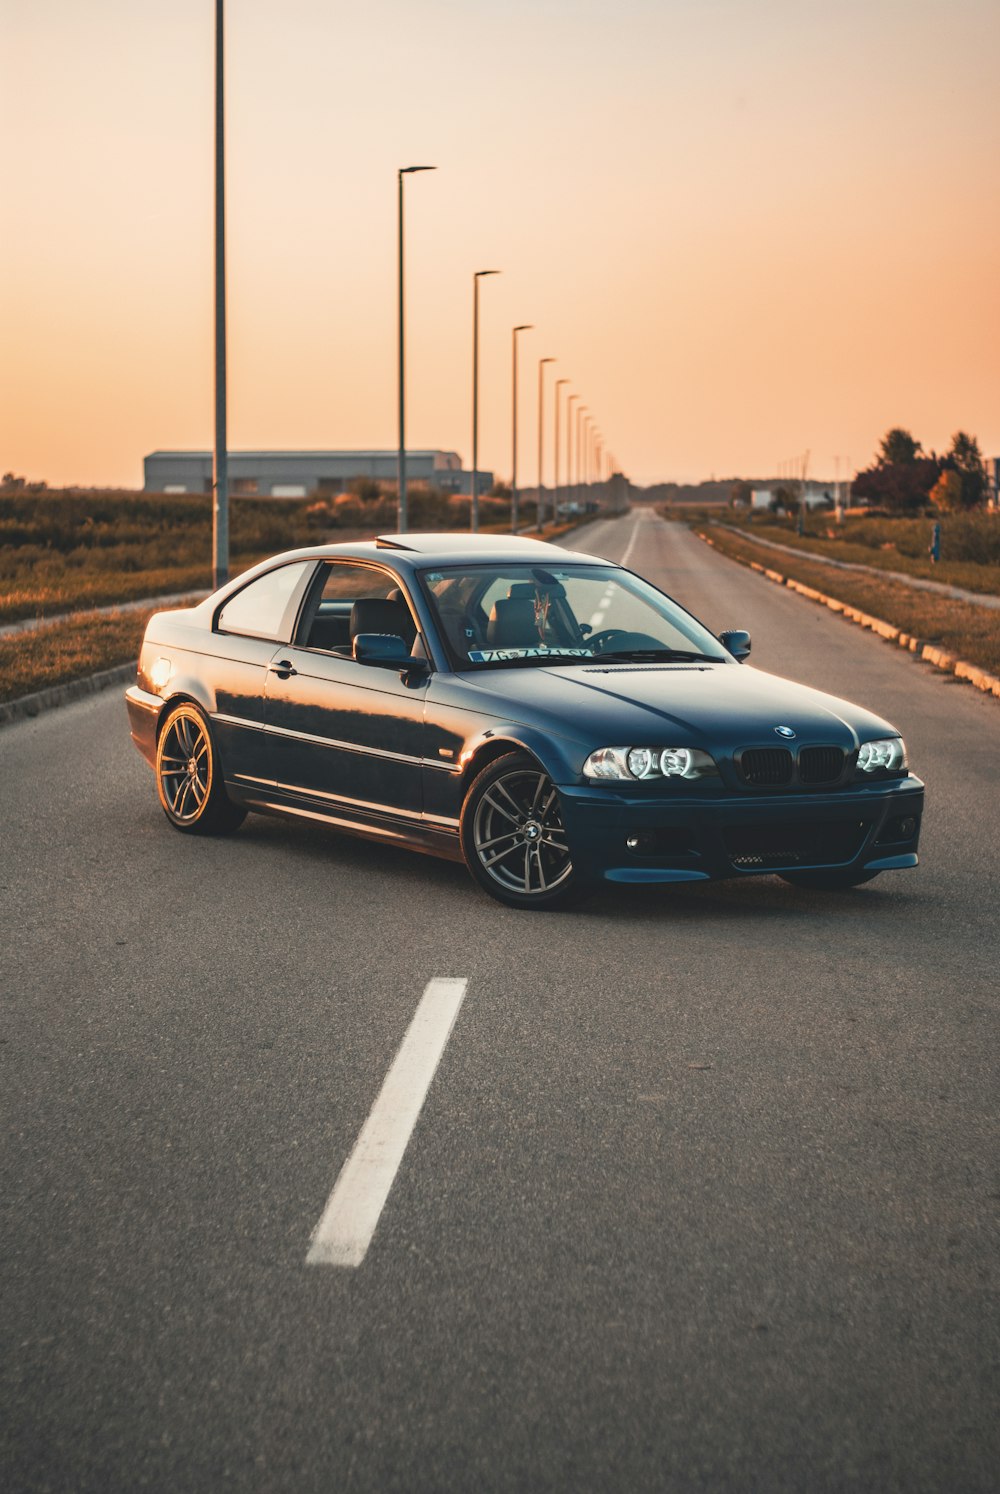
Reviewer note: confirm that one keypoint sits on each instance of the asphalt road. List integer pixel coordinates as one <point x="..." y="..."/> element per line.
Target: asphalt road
<point x="702" y="1196"/>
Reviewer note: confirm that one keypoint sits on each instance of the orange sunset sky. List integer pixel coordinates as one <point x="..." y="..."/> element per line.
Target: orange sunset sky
<point x="745" y="228"/>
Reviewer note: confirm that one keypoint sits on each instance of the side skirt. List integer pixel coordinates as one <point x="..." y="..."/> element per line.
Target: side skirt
<point x="412" y="835"/>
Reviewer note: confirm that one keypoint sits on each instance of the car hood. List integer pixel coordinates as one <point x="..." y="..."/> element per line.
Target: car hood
<point x="692" y="705"/>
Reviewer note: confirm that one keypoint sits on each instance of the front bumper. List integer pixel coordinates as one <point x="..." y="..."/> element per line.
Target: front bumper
<point x="695" y="837"/>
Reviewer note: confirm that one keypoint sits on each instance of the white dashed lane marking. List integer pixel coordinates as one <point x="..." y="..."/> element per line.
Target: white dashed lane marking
<point x="353" y="1210"/>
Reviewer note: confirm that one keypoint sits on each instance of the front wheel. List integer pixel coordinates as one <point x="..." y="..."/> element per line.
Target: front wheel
<point x="189" y="776"/>
<point x="513" y="837"/>
<point x="828" y="881"/>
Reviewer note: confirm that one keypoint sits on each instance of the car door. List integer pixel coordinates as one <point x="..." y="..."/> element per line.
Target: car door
<point x="344" y="735"/>
<point x="250" y="625"/>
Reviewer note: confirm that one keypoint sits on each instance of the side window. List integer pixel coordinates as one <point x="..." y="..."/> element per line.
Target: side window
<point x="266" y="607"/>
<point x="352" y="583"/>
<point x="327" y="617"/>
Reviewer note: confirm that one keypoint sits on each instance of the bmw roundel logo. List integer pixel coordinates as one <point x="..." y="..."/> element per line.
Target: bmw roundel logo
<point x="784" y="731"/>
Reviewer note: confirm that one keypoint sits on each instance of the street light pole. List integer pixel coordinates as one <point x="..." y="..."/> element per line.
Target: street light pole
<point x="539" y="511"/>
<point x="220" y="459"/>
<point x="402" y="517"/>
<point x="555" y="473"/>
<point x="581" y="410"/>
<point x="474" y="506"/>
<point x="570" y="401"/>
<point x="525" y="327"/>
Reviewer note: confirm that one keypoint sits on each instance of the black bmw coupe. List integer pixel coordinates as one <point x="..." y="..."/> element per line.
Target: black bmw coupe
<point x="548" y="718"/>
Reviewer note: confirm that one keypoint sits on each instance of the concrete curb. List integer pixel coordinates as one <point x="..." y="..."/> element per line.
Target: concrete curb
<point x="28" y="706"/>
<point x="961" y="668"/>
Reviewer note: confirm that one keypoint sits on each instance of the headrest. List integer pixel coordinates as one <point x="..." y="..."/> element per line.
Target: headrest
<point x="512" y="623"/>
<point x="378" y="615"/>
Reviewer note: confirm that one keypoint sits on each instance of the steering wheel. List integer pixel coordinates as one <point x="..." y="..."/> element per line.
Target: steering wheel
<point x="598" y="640"/>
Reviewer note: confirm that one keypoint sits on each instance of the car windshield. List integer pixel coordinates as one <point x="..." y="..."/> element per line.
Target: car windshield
<point x="504" y="615"/>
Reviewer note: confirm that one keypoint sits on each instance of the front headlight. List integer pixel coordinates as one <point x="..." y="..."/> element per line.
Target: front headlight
<point x="887" y="755"/>
<point x="625" y="764"/>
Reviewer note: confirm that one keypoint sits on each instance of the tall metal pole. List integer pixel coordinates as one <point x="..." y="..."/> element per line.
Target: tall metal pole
<point x="525" y="327"/>
<point x="474" y="506"/>
<point x="570" y="401"/>
<point x="539" y="512"/>
<point x="580" y="411"/>
<point x="555" y="443"/>
<point x="220" y="460"/>
<point x="402" y="514"/>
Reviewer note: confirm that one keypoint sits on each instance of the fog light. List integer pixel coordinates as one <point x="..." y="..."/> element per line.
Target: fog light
<point x="907" y="828"/>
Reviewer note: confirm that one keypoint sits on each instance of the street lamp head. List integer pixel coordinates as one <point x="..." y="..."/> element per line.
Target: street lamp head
<point x="525" y="327"/>
<point x="547" y="360"/>
<point x="480" y="273"/>
<point x="405" y="170"/>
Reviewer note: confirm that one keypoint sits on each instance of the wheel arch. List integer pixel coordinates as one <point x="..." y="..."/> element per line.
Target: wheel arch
<point x="550" y="754"/>
<point x="179" y="697"/>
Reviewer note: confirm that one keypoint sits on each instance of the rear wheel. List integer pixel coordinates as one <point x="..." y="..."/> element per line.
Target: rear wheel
<point x="828" y="881"/>
<point x="189" y="776"/>
<point x="513" y="837"/>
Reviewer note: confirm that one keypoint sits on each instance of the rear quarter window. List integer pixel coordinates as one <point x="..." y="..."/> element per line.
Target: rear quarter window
<point x="266" y="608"/>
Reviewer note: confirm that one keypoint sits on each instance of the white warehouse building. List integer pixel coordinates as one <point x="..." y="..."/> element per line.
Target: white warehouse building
<point x="299" y="474"/>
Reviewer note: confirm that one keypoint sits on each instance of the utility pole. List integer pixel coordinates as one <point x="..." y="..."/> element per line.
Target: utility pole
<point x="220" y="458"/>
<point x="474" y="506"/>
<point x="541" y="441"/>
<point x="402" y="514"/>
<point x="525" y="327"/>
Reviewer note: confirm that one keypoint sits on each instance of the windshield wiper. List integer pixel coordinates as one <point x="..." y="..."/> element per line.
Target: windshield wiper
<point x="669" y="655"/>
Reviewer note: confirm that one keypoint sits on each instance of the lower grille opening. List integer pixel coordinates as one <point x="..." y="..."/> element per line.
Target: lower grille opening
<point x="798" y="843"/>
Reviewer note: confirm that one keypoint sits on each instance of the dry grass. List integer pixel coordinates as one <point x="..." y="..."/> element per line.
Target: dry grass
<point x="962" y="628"/>
<point x="58" y="652"/>
<point x="970" y="543"/>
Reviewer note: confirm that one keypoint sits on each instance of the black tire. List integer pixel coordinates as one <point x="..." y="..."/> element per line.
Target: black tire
<point x="189" y="775"/>
<point x="828" y="881"/>
<point x="512" y="810"/>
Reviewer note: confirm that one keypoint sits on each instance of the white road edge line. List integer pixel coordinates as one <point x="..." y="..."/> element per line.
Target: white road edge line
<point x="353" y="1210"/>
<point x="631" y="543"/>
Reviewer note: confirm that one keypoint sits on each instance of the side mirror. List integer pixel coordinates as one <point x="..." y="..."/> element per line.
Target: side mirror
<point x="385" y="651"/>
<point x="737" y="642"/>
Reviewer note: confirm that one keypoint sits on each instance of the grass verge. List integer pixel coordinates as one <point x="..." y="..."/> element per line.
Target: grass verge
<point x="962" y="628"/>
<point x="965" y="573"/>
<point x="55" y="653"/>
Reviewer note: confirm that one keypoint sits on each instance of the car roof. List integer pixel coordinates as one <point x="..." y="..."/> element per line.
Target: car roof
<point x="419" y="551"/>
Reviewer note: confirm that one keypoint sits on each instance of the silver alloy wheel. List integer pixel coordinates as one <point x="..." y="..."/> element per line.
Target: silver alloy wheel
<point x="184" y="764"/>
<point x="519" y="836"/>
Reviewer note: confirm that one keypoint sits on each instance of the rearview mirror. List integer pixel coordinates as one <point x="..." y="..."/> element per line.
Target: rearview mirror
<point x="385" y="651"/>
<point x="737" y="642"/>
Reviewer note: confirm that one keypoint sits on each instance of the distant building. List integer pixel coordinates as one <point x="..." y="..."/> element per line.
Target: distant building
<point x="300" y="474"/>
<point x="817" y="494"/>
<point x="993" y="481"/>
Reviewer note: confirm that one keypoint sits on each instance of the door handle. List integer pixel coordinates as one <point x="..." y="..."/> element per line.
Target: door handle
<point x="283" y="667"/>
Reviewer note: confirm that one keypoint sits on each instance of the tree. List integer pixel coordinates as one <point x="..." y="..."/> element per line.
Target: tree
<point x="898" y="448"/>
<point x="966" y="461"/>
<point x="740" y="494"/>
<point x="946" y="493"/>
<point x="898" y="487"/>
